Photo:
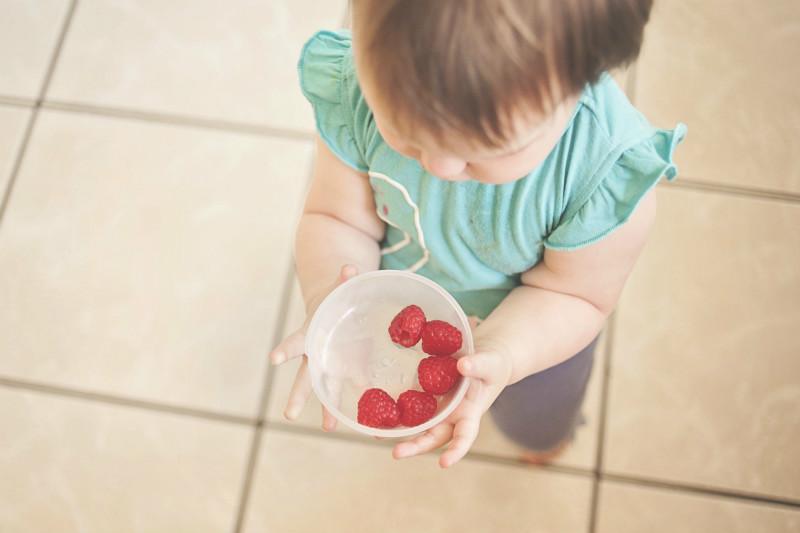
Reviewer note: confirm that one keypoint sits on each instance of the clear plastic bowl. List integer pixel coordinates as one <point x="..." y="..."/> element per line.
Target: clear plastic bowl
<point x="349" y="349"/>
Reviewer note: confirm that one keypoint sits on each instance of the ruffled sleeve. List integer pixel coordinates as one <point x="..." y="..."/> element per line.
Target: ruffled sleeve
<point x="323" y="79"/>
<point x="619" y="191"/>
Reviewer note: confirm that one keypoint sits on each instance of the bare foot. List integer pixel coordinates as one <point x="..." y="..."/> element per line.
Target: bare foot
<point x="547" y="456"/>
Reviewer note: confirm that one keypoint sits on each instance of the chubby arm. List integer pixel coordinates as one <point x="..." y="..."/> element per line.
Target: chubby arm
<point x="565" y="299"/>
<point x="339" y="226"/>
<point x="558" y="310"/>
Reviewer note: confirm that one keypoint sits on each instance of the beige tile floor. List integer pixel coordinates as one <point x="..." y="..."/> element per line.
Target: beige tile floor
<point x="145" y="272"/>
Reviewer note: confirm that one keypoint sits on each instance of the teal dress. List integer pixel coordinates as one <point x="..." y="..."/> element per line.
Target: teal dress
<point x="476" y="239"/>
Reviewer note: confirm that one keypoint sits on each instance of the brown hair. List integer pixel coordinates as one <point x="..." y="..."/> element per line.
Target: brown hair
<point x="467" y="64"/>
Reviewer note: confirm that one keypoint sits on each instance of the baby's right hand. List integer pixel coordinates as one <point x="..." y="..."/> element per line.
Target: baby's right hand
<point x="294" y="346"/>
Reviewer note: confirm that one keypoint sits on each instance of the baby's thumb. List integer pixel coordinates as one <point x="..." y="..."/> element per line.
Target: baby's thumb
<point x="483" y="366"/>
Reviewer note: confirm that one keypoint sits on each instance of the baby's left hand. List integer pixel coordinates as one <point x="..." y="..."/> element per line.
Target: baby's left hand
<point x="489" y="372"/>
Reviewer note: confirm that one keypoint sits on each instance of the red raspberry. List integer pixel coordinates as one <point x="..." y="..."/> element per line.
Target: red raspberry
<point x="377" y="409"/>
<point x="440" y="338"/>
<point x="406" y="327"/>
<point x="438" y="374"/>
<point x="416" y="407"/>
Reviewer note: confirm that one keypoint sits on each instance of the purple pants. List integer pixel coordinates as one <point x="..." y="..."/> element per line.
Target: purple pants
<point x="543" y="409"/>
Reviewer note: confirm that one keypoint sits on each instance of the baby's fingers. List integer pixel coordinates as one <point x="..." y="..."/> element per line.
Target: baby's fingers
<point x="485" y="366"/>
<point x="294" y="345"/>
<point x="430" y="440"/>
<point x="301" y="390"/>
<point x="334" y="387"/>
<point x="289" y="348"/>
<point x="464" y="435"/>
<point x="328" y="420"/>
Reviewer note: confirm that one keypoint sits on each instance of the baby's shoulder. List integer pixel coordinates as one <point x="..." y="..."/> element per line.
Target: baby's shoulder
<point x="328" y="81"/>
<point x="612" y="113"/>
<point x="608" y="160"/>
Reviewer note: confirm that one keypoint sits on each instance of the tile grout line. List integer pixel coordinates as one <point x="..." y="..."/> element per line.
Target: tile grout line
<point x="247" y="480"/>
<point x="55" y="390"/>
<point x="483" y="458"/>
<point x="269" y="375"/>
<point x="595" y="503"/>
<point x="285" y="427"/>
<point x="702" y="490"/>
<point x="51" y="67"/>
<point x="12" y="177"/>
<point x="26" y="137"/>
<point x="733" y="190"/>
<point x="477" y="457"/>
<point x="255" y="445"/>
<point x="17" y="102"/>
<point x="299" y="135"/>
<point x="280" y="325"/>
<point x="701" y="185"/>
<point x="179" y="120"/>
<point x="260" y="423"/>
<point x="602" y="418"/>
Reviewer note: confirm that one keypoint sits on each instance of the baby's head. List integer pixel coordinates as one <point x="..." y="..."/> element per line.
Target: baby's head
<point x="483" y="89"/>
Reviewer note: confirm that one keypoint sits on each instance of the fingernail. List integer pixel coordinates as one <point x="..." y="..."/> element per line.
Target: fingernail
<point x="278" y="358"/>
<point x="466" y="366"/>
<point x="291" y="413"/>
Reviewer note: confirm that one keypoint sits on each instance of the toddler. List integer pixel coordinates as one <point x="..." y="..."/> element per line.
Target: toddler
<point x="483" y="144"/>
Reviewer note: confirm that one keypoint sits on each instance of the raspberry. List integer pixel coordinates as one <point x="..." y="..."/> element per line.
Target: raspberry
<point x="440" y="338"/>
<point x="438" y="374"/>
<point x="416" y="407"/>
<point x="406" y="327"/>
<point x="377" y="409"/>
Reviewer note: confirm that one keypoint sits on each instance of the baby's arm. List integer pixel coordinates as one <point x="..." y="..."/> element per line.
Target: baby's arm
<point x="338" y="227"/>
<point x="565" y="299"/>
<point x="558" y="310"/>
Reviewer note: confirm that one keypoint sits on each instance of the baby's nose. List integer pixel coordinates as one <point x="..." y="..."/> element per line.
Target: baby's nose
<point x="442" y="166"/>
